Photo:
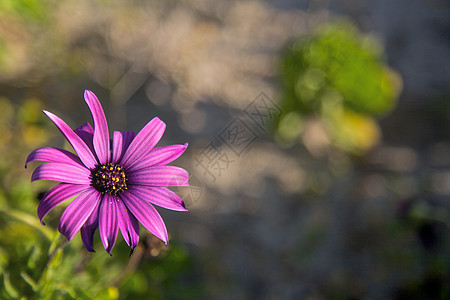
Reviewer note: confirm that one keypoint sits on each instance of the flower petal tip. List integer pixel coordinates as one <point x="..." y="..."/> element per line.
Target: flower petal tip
<point x="165" y="239"/>
<point x="88" y="93"/>
<point x="131" y="252"/>
<point x="109" y="249"/>
<point x="162" y="122"/>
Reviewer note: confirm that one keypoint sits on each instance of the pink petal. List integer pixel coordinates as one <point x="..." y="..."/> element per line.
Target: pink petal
<point x="121" y="141"/>
<point x="83" y="151"/>
<point x="159" y="176"/>
<point x="101" y="132"/>
<point x="86" y="133"/>
<point x="107" y="221"/>
<point x="160" y="156"/>
<point x="128" y="225"/>
<point x="56" y="195"/>
<point x="87" y="129"/>
<point x="144" y="141"/>
<point x="55" y="155"/>
<point x="160" y="196"/>
<point x="78" y="212"/>
<point x="146" y="214"/>
<point x="88" y="229"/>
<point x="62" y="172"/>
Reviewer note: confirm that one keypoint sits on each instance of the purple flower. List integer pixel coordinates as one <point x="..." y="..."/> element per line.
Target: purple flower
<point x="116" y="185"/>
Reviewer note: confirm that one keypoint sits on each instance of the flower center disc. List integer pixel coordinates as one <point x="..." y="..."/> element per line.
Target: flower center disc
<point x="109" y="179"/>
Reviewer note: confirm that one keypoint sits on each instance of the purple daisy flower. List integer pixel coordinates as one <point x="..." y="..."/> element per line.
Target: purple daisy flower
<point x="116" y="185"/>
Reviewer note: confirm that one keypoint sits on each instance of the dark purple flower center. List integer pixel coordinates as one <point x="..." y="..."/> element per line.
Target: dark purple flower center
<point x="110" y="178"/>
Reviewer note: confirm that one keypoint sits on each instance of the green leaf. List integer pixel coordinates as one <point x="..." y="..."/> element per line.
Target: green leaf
<point x="4" y="259"/>
<point x="334" y="70"/>
<point x="9" y="287"/>
<point x="27" y="278"/>
<point x="31" y="221"/>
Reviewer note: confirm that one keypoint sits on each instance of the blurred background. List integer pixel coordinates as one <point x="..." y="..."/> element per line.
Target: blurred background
<point x="319" y="145"/>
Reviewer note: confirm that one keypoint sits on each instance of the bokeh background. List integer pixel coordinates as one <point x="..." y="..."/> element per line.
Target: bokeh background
<point x="319" y="145"/>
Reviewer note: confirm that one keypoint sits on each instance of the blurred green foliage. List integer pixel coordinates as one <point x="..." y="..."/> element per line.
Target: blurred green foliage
<point x="28" y="10"/>
<point x="36" y="262"/>
<point x="20" y="19"/>
<point x="338" y="76"/>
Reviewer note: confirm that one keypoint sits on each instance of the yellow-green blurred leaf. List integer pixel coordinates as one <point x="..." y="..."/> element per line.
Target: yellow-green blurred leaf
<point x="4" y="259"/>
<point x="355" y="133"/>
<point x="9" y="288"/>
<point x="27" y="278"/>
<point x="6" y="111"/>
<point x="290" y="126"/>
<point x="338" y="74"/>
<point x="29" y="220"/>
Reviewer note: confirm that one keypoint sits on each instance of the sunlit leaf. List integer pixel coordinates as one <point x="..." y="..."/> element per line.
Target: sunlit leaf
<point x="339" y="75"/>
<point x="354" y="132"/>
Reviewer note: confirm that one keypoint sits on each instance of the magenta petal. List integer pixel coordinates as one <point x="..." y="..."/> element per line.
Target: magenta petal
<point x="121" y="141"/>
<point x="146" y="214"/>
<point x="88" y="229"/>
<point x="59" y="193"/>
<point x="83" y="151"/>
<point x="159" y="176"/>
<point x="55" y="155"/>
<point x="101" y="132"/>
<point x="160" y="196"/>
<point x="107" y="221"/>
<point x="144" y="141"/>
<point x="85" y="130"/>
<point x="160" y="156"/>
<point x="128" y="225"/>
<point x="86" y="133"/>
<point x="78" y="212"/>
<point x="62" y="172"/>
